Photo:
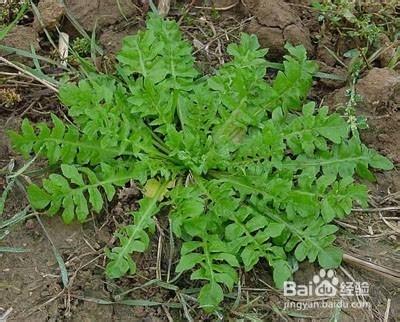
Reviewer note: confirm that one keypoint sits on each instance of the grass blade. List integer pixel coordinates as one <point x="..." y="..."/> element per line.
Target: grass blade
<point x="330" y="76"/>
<point x="20" y="216"/>
<point x="36" y="61"/>
<point x="7" y="29"/>
<point x="39" y="17"/>
<point x="25" y="167"/>
<point x="148" y="303"/>
<point x="129" y="302"/>
<point x="60" y="261"/>
<point x="93" y="44"/>
<point x="4" y="196"/>
<point x="27" y="54"/>
<point x="13" y="250"/>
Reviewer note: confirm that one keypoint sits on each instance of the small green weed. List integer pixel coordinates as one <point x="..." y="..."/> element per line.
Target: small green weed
<point x="248" y="170"/>
<point x="362" y="21"/>
<point x="82" y="46"/>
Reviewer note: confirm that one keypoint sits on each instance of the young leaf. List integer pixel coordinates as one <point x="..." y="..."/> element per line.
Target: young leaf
<point x="282" y="273"/>
<point x="330" y="257"/>
<point x="210" y="294"/>
<point x="38" y="198"/>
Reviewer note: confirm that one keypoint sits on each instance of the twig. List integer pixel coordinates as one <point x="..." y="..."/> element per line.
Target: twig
<point x="159" y="254"/>
<point x="33" y="310"/>
<point x="302" y="6"/>
<point x="347" y="273"/>
<point x="376" y="235"/>
<point x="393" y="208"/>
<point x="346" y="225"/>
<point x="188" y="8"/>
<point x="333" y="54"/>
<point x="386" y="319"/>
<point x="169" y="317"/>
<point x="219" y="8"/>
<point x="223" y="34"/>
<point x="29" y="107"/>
<point x="392" y="195"/>
<point x="42" y="81"/>
<point x="395" y="229"/>
<point x="385" y="271"/>
<point x="73" y="277"/>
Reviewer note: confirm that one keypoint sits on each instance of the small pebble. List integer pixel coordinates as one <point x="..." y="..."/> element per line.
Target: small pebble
<point x="30" y="224"/>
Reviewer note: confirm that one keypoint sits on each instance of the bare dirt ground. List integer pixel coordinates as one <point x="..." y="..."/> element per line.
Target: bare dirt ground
<point x="31" y="288"/>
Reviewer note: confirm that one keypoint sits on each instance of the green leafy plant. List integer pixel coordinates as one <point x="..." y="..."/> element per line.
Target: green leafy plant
<point x="249" y="170"/>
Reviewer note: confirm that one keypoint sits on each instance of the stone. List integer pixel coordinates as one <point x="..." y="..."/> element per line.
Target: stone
<point x="275" y="24"/>
<point x="51" y="12"/>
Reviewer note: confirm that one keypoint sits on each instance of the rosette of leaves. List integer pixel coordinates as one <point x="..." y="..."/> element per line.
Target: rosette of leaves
<point x="250" y="170"/>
